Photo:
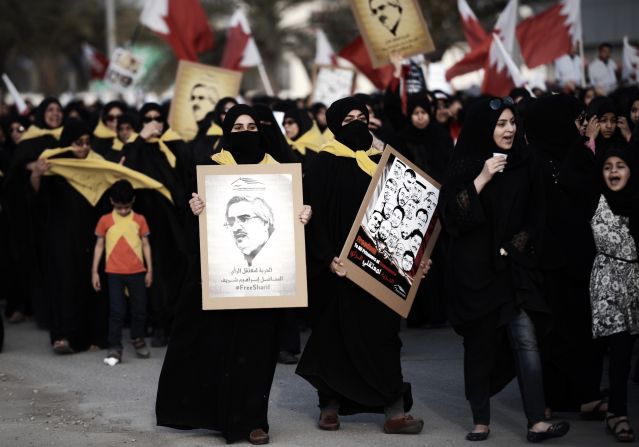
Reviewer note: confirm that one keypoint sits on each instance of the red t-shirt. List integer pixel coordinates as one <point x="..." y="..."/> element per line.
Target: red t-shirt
<point x="123" y="236"/>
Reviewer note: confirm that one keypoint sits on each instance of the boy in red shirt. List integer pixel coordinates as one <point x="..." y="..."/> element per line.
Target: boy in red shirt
<point x="127" y="249"/>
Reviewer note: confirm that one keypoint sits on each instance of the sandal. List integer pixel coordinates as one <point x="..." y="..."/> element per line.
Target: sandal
<point x="62" y="347"/>
<point x="596" y="413"/>
<point x="622" y="435"/>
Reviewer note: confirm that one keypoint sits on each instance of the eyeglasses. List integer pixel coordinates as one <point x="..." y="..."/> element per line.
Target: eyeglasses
<point x="148" y="119"/>
<point x="496" y="103"/>
<point x="242" y="219"/>
<point x="110" y="118"/>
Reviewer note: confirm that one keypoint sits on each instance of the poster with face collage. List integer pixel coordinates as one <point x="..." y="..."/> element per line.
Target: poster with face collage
<point x="396" y="228"/>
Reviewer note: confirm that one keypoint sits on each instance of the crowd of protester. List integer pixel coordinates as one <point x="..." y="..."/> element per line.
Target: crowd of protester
<point x="536" y="268"/>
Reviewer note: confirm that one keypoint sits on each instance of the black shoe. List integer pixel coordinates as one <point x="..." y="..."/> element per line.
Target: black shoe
<point x="286" y="358"/>
<point x="554" y="431"/>
<point x="477" y="436"/>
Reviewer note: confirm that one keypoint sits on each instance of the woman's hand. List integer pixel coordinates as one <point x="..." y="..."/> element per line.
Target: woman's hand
<point x="41" y="166"/>
<point x="426" y="264"/>
<point x="622" y="124"/>
<point x="306" y="214"/>
<point x="335" y="267"/>
<point x="151" y="130"/>
<point x="592" y="129"/>
<point x="396" y="59"/>
<point x="196" y="204"/>
<point x="491" y="167"/>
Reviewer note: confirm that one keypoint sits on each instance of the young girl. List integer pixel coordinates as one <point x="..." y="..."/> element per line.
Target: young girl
<point x="614" y="283"/>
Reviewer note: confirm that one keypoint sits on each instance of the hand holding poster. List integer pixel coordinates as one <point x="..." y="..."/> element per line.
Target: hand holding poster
<point x="392" y="26"/>
<point x="198" y="87"/>
<point x="395" y="229"/>
<point x="331" y="83"/>
<point x="251" y="241"/>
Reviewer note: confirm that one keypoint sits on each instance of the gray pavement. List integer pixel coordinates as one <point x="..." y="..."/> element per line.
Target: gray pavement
<point x="49" y="400"/>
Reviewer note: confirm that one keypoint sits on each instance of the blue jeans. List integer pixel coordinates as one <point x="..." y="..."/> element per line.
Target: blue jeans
<point x="117" y="310"/>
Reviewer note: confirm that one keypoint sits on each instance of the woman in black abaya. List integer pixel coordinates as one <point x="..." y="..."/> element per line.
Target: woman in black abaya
<point x="493" y="209"/>
<point x="352" y="357"/>
<point x="303" y="135"/>
<point x="219" y="366"/>
<point x="105" y="133"/>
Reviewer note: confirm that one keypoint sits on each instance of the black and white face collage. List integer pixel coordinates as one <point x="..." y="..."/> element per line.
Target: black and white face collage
<point x="401" y="215"/>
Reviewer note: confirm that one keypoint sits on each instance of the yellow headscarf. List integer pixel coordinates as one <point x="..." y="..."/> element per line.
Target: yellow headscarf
<point x="340" y="150"/>
<point x="226" y="158"/>
<point x="93" y="176"/>
<point x="312" y="140"/>
<point x="34" y="132"/>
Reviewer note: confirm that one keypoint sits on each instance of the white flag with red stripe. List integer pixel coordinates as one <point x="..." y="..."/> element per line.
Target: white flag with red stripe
<point x="501" y="74"/>
<point x="474" y="32"/>
<point x="477" y="58"/>
<point x="324" y="54"/>
<point x="97" y="62"/>
<point x="551" y="33"/>
<point x="240" y="51"/>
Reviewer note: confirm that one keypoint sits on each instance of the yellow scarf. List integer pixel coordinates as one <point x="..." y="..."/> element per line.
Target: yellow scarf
<point x="118" y="145"/>
<point x="34" y="132"/>
<point x="102" y="131"/>
<point x="226" y="158"/>
<point x="340" y="150"/>
<point x="312" y="139"/>
<point x="93" y="176"/>
<point x="214" y="130"/>
<point x="168" y="136"/>
<point x="327" y="134"/>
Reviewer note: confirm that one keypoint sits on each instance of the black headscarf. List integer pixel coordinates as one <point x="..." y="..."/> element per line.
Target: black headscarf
<point x="219" y="109"/>
<point x="246" y="147"/>
<point x="130" y="118"/>
<point x="112" y="105"/>
<point x="355" y="134"/>
<point x="73" y="129"/>
<point x="274" y="139"/>
<point x="599" y="107"/>
<point x="152" y="106"/>
<point x="550" y="124"/>
<point x="304" y="122"/>
<point x="315" y="109"/>
<point x="410" y="132"/>
<point x="626" y="201"/>
<point x="39" y="114"/>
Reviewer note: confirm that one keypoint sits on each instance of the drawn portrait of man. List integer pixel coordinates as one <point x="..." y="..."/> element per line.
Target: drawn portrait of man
<point x="251" y="223"/>
<point x="202" y="100"/>
<point x="374" y="222"/>
<point x="387" y="12"/>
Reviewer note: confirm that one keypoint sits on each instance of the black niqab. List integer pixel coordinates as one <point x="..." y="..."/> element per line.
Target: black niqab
<point x="246" y="147"/>
<point x="355" y="134"/>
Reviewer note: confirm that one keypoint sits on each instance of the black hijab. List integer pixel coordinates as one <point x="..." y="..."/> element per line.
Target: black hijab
<point x="550" y="124"/>
<point x="599" y="107"/>
<point x="315" y="109"/>
<point x="112" y="105"/>
<point x="39" y="114"/>
<point x="73" y="130"/>
<point x="274" y="139"/>
<point x="301" y="118"/>
<point x="218" y="111"/>
<point x="624" y="202"/>
<point x="246" y="147"/>
<point x="355" y="134"/>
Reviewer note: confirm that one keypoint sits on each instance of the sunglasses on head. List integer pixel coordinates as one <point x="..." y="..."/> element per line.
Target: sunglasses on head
<point x="148" y="119"/>
<point x="111" y="117"/>
<point x="496" y="103"/>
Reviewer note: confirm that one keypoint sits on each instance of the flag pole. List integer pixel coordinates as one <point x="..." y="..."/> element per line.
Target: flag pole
<point x="265" y="80"/>
<point x="110" y="26"/>
<point x="583" y="62"/>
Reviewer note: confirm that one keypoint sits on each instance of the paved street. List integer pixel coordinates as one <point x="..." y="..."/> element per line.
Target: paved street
<point x="48" y="400"/>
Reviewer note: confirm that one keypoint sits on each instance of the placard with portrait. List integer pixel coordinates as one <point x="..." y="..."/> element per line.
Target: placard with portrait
<point x="389" y="26"/>
<point x="197" y="89"/>
<point x="251" y="240"/>
<point x="396" y="228"/>
<point x="331" y="83"/>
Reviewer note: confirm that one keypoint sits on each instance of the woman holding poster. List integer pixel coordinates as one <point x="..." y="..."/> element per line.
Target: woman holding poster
<point x="352" y="357"/>
<point x="492" y="206"/>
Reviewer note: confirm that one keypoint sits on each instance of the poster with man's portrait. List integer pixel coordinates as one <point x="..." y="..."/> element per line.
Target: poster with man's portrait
<point x="331" y="83"/>
<point x="389" y="26"/>
<point x="197" y="89"/>
<point x="251" y="240"/>
<point x="395" y="229"/>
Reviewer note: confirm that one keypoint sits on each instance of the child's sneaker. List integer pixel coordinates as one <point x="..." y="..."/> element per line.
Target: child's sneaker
<point x="113" y="357"/>
<point x="140" y="348"/>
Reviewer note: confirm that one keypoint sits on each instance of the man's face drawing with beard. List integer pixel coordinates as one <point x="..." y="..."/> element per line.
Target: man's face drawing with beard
<point x="250" y="221"/>
<point x="202" y="100"/>
<point x="388" y="12"/>
<point x="375" y="221"/>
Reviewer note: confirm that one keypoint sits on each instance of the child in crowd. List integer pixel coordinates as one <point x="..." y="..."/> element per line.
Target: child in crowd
<point x="127" y="249"/>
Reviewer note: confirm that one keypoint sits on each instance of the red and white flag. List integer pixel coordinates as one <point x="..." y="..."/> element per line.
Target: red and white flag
<point x="501" y="74"/>
<point x="181" y="23"/>
<point x="630" y="70"/>
<point x="356" y="53"/>
<point x="240" y="51"/>
<point x="20" y="104"/>
<point x="551" y="33"/>
<point x="474" y="32"/>
<point x="476" y="59"/>
<point x="324" y="54"/>
<point x="97" y="62"/>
